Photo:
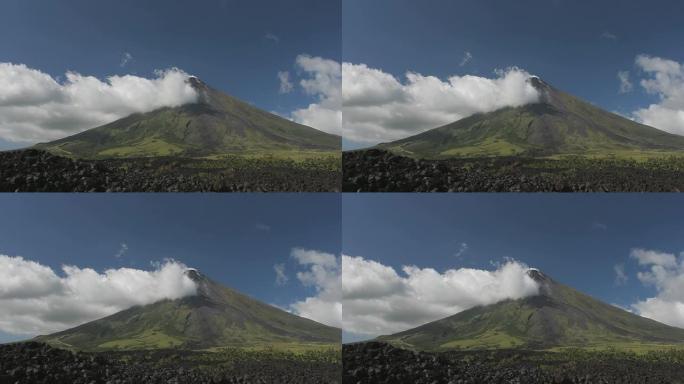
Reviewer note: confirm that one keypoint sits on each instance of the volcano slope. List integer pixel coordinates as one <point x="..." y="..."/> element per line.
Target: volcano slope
<point x="557" y="336"/>
<point x="217" y="336"/>
<point x="561" y="143"/>
<point x="218" y="143"/>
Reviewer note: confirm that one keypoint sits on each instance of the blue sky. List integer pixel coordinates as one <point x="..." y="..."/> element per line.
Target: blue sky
<point x="577" y="46"/>
<point x="576" y="239"/>
<point x="562" y="41"/>
<point x="234" y="239"/>
<point x="235" y="46"/>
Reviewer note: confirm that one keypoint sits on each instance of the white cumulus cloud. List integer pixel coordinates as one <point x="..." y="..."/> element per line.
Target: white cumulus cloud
<point x="378" y="107"/>
<point x="379" y="300"/>
<point x="322" y="79"/>
<point x="666" y="81"/>
<point x="665" y="272"/>
<point x="654" y="258"/>
<point x="322" y="273"/>
<point x="36" y="107"/>
<point x="36" y="300"/>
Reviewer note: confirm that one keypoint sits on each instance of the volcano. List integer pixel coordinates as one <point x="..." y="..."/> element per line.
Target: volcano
<point x="216" y="125"/>
<point x="558" y="317"/>
<point x="216" y="316"/>
<point x="558" y="124"/>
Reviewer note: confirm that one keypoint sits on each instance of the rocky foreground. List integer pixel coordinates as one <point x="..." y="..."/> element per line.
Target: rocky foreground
<point x="377" y="170"/>
<point x="39" y="171"/>
<point x="381" y="363"/>
<point x="35" y="363"/>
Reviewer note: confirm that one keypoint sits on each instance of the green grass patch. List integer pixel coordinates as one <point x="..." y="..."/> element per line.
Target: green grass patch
<point x="492" y="146"/>
<point x="288" y="347"/>
<point x="625" y="347"/>
<point x="150" y="146"/>
<point x="151" y="339"/>
<point x="493" y="339"/>
<point x="633" y="155"/>
<point x="291" y="155"/>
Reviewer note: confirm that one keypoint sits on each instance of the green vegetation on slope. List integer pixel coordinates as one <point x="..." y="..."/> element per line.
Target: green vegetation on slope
<point x="559" y="317"/>
<point x="215" y="126"/>
<point x="560" y="124"/>
<point x="217" y="317"/>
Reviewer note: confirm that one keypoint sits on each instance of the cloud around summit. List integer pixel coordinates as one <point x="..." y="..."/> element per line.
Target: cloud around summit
<point x="379" y="300"/>
<point x="379" y="107"/>
<point x="35" y="107"/>
<point x="37" y="300"/>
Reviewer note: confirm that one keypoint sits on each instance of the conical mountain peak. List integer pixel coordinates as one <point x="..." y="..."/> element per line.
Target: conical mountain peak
<point x="545" y="283"/>
<point x="201" y="282"/>
<point x="196" y="82"/>
<point x="216" y="125"/>
<point x="193" y="274"/>
<point x="558" y="316"/>
<point x="538" y="83"/>
<point x="215" y="316"/>
<point x="211" y="290"/>
<point x="202" y="89"/>
<point x="538" y="276"/>
<point x="547" y="94"/>
<point x="557" y="124"/>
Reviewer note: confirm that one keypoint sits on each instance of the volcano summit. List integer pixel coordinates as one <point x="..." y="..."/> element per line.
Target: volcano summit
<point x="556" y="336"/>
<point x="216" y="316"/>
<point x="217" y="143"/>
<point x="558" y="144"/>
<point x="558" y="317"/>
<point x="216" y="125"/>
<point x="558" y="124"/>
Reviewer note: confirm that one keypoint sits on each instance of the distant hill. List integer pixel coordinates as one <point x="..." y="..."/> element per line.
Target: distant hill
<point x="216" y="317"/>
<point x="216" y="125"/>
<point x="558" y="317"/>
<point x="559" y="124"/>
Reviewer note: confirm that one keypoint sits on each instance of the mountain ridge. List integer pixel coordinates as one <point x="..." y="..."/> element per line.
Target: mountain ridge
<point x="215" y="317"/>
<point x="558" y="317"/>
<point x="558" y="124"/>
<point x="216" y="125"/>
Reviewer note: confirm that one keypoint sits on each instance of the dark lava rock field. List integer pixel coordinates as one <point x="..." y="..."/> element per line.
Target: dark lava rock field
<point x="39" y="171"/>
<point x="35" y="363"/>
<point x="377" y="170"/>
<point x="375" y="362"/>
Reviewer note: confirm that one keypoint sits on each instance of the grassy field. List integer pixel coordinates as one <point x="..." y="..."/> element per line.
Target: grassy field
<point x="150" y="339"/>
<point x="147" y="147"/>
<point x="296" y="348"/>
<point x="626" y="347"/>
<point x="498" y="340"/>
<point x="489" y="146"/>
<point x="287" y="155"/>
<point x="500" y="148"/>
<point x="492" y="339"/>
<point x="626" y="155"/>
<point x="231" y="356"/>
<point x="153" y="340"/>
